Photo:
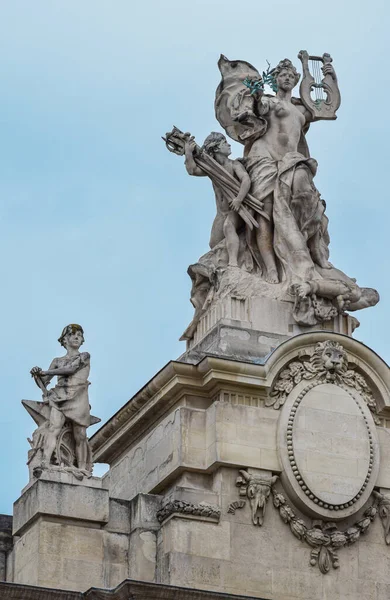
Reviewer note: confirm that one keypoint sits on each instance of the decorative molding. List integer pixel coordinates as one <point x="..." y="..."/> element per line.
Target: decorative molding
<point x="325" y="539"/>
<point x="291" y="452"/>
<point x="233" y="506"/>
<point x="257" y="489"/>
<point x="188" y="509"/>
<point x="327" y="364"/>
<point x="241" y="399"/>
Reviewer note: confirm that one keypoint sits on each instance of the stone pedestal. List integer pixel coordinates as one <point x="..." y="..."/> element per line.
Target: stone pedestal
<point x="69" y="534"/>
<point x="251" y="328"/>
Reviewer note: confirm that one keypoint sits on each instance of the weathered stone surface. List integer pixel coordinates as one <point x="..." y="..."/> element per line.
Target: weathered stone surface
<point x="60" y="500"/>
<point x="119" y="516"/>
<point x="330" y="411"/>
<point x="338" y="476"/>
<point x="144" y="508"/>
<point x="143" y="555"/>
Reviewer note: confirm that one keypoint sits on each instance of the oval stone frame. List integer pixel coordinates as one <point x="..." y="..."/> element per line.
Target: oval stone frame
<point x="293" y="479"/>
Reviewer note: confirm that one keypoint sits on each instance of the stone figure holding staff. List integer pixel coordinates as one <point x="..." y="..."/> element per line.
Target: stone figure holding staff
<point x="231" y="214"/>
<point x="66" y="402"/>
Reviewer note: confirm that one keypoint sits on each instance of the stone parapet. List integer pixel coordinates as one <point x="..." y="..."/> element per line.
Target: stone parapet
<point x="136" y="590"/>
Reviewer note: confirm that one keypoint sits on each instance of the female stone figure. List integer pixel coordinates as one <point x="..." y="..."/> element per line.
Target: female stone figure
<point x="284" y="253"/>
<point x="278" y="162"/>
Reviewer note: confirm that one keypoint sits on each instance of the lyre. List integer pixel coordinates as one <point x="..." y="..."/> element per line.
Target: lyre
<point x="319" y="93"/>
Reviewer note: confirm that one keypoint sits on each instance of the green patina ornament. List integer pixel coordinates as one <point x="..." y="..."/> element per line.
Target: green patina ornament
<point x="256" y="85"/>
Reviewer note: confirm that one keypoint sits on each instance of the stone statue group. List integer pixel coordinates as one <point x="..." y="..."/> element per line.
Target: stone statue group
<point x="270" y="222"/>
<point x="269" y="237"/>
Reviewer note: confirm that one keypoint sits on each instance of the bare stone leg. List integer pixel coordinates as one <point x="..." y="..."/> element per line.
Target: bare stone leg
<point x="230" y="227"/>
<point x="80" y="437"/>
<point x="264" y="239"/>
<point x="57" y="420"/>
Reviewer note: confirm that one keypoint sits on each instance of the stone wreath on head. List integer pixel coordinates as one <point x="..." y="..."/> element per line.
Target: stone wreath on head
<point x="285" y="64"/>
<point x="72" y="328"/>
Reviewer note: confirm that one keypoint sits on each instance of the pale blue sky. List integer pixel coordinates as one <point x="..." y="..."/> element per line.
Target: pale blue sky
<point x="99" y="222"/>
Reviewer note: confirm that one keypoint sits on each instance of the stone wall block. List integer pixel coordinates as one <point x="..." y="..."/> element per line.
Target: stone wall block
<point x="115" y="558"/>
<point x="119" y="516"/>
<point x="143" y="555"/>
<point x="143" y="511"/>
<point x="60" y="500"/>
<point x="205" y="539"/>
<point x="194" y="571"/>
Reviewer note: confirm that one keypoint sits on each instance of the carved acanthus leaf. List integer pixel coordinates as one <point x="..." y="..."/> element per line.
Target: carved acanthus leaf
<point x="328" y="364"/>
<point x="187" y="508"/>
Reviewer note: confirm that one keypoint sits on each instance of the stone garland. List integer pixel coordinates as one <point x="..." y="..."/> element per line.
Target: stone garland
<point x="384" y="513"/>
<point x="291" y="454"/>
<point x="324" y="538"/>
<point x="187" y="508"/>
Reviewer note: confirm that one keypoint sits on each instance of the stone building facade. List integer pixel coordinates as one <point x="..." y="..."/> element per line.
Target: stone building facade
<point x="268" y="480"/>
<point x="257" y="464"/>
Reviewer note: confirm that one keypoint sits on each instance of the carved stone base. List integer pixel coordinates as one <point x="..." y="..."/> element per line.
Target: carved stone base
<point x="251" y="328"/>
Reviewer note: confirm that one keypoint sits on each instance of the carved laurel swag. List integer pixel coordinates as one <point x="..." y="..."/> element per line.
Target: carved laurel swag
<point x="384" y="513"/>
<point x="328" y="364"/>
<point x="187" y="508"/>
<point x="325" y="539"/>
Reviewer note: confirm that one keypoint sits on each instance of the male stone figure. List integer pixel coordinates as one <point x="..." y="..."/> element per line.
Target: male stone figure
<point x="227" y="220"/>
<point x="68" y="399"/>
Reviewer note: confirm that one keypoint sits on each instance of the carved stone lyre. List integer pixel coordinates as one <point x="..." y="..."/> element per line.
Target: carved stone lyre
<point x="319" y="93"/>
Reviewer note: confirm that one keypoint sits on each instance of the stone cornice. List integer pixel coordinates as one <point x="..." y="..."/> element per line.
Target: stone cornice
<point x="128" y="590"/>
<point x="211" y="374"/>
<point x="165" y="389"/>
